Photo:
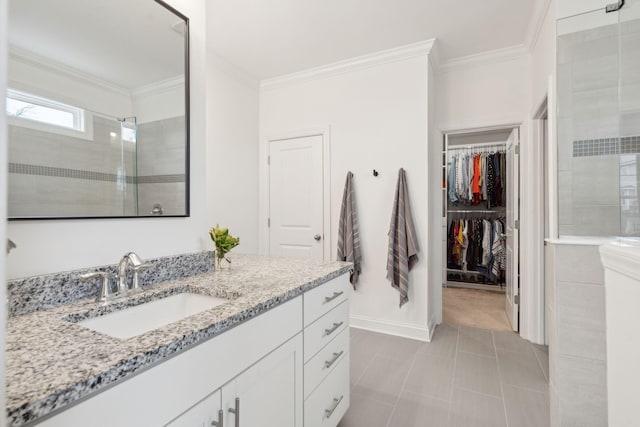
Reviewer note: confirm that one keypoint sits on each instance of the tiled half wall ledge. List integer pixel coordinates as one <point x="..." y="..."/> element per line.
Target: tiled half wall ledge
<point x="606" y="146"/>
<point x="27" y="169"/>
<point x="51" y="290"/>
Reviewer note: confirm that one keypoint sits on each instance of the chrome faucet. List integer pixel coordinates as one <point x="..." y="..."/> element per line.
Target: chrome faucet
<point x="121" y="273"/>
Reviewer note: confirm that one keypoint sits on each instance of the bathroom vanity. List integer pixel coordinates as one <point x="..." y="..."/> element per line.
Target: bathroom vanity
<point x="275" y="352"/>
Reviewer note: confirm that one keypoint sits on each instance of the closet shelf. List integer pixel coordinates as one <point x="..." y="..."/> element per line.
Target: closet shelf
<point x="497" y="210"/>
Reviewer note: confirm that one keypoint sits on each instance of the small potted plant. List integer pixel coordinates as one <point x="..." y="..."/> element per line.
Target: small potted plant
<point x="224" y="243"/>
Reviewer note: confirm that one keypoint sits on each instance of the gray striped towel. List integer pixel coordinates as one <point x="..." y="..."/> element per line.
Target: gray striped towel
<point x="348" y="234"/>
<point x="403" y="244"/>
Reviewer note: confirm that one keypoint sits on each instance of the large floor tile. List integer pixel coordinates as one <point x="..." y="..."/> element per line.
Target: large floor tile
<point x="511" y="341"/>
<point x="477" y="341"/>
<point x="358" y="362"/>
<point x="521" y="370"/>
<point x="526" y="408"/>
<point x="469" y="409"/>
<point x="443" y="344"/>
<point x="366" y="412"/>
<point x="398" y="347"/>
<point x="383" y="379"/>
<point x="413" y="410"/>
<point x="431" y="376"/>
<point x="477" y="373"/>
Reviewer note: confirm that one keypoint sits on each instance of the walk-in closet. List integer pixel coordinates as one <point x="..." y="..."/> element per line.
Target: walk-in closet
<point x="479" y="179"/>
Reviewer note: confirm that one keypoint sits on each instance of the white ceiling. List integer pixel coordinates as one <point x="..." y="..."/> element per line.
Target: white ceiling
<point x="128" y="43"/>
<point x="269" y="38"/>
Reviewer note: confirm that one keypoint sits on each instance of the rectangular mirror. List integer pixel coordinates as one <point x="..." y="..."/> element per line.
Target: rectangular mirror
<point x="97" y="109"/>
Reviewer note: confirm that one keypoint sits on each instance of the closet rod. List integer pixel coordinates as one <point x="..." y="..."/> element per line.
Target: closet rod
<point x="477" y="146"/>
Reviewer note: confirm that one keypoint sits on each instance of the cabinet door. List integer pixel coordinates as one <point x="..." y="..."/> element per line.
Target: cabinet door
<point x="202" y="414"/>
<point x="270" y="392"/>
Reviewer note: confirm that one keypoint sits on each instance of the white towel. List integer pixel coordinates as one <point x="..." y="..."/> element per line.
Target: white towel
<point x="348" y="234"/>
<point x="403" y="244"/>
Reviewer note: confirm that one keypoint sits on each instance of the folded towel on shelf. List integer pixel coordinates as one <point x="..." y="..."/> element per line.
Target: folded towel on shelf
<point x="348" y="233"/>
<point x="403" y="244"/>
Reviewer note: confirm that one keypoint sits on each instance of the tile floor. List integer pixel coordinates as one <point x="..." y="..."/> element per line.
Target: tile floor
<point x="466" y="377"/>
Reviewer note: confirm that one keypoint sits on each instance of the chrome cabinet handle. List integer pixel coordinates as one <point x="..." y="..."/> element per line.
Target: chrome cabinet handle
<point x="236" y="411"/>
<point x="334" y="296"/>
<point x="329" y="412"/>
<point x="336" y="356"/>
<point x="333" y="329"/>
<point x="220" y="422"/>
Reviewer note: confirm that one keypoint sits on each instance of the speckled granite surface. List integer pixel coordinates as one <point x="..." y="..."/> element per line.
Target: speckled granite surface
<point x="51" y="362"/>
<point x="52" y="290"/>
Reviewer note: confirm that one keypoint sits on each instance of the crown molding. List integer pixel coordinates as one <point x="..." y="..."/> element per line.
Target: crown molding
<point x="413" y="50"/>
<point x="33" y="59"/>
<point x="159" y="87"/>
<point x="540" y="13"/>
<point x="497" y="55"/>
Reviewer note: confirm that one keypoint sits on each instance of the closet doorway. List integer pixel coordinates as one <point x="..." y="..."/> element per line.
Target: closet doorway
<point x="480" y="272"/>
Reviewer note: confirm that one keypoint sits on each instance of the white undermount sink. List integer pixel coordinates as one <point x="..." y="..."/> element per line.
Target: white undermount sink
<point x="133" y="321"/>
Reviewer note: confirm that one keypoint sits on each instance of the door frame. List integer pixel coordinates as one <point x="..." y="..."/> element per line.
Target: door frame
<point x="263" y="188"/>
<point x="523" y="137"/>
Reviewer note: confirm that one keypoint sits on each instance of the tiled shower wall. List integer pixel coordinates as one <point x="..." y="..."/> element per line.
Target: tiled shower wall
<point x="57" y="175"/>
<point x="161" y="166"/>
<point x="599" y="131"/>
<point x="49" y="170"/>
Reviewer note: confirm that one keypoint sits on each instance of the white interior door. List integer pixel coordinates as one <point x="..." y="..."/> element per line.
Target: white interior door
<point x="512" y="232"/>
<point x="296" y="198"/>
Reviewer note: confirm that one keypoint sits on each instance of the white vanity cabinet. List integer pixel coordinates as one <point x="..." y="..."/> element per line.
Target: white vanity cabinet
<point x="287" y="367"/>
<point x="326" y="353"/>
<point x="207" y="412"/>
<point x="268" y="393"/>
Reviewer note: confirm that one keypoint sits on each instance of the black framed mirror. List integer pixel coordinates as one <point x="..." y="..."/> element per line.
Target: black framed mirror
<point x="97" y="109"/>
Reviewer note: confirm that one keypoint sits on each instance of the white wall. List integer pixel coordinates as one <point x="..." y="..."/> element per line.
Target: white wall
<point x="49" y="246"/>
<point x="3" y="200"/>
<point x="378" y="119"/>
<point x="484" y="92"/>
<point x="232" y="152"/>
<point x="160" y="101"/>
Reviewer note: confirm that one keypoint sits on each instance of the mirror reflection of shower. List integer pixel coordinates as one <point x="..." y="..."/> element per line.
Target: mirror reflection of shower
<point x="127" y="171"/>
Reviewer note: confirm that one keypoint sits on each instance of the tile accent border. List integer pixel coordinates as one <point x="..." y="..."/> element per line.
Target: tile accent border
<point x="38" y="170"/>
<point x="35" y="293"/>
<point x="606" y="146"/>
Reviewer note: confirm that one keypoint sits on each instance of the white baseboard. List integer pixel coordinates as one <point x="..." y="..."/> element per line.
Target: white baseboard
<point x="399" y="329"/>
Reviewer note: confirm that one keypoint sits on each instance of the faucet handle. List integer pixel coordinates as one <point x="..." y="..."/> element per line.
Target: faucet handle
<point x="136" y="274"/>
<point x="105" y="291"/>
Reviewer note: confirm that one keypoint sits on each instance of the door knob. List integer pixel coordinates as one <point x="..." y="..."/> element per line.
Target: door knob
<point x="317" y="237"/>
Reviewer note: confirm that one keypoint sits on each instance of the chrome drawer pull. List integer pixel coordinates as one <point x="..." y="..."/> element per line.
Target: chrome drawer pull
<point x="328" y="332"/>
<point x="335" y="295"/>
<point x="329" y="412"/>
<point x="220" y="422"/>
<point x="236" y="411"/>
<point x="336" y="356"/>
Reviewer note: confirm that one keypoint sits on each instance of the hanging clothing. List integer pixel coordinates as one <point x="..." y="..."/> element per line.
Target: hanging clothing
<point x="451" y="181"/>
<point x="476" y="178"/>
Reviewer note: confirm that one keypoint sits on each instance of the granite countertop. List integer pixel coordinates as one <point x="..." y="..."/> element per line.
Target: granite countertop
<point x="52" y="362"/>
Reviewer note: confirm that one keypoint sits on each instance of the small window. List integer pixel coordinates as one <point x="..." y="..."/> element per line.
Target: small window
<point x="42" y="110"/>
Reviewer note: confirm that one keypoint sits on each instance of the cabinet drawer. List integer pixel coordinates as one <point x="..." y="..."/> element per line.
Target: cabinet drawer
<point x="325" y="361"/>
<point x="320" y="300"/>
<point x="328" y="403"/>
<point x="326" y="328"/>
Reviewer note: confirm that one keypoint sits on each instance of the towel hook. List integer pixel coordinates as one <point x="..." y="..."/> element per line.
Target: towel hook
<point x="375" y="173"/>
